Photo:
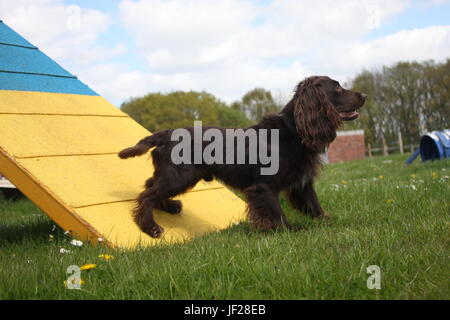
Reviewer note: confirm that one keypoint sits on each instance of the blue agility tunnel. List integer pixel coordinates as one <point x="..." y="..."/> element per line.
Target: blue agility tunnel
<point x="433" y="146"/>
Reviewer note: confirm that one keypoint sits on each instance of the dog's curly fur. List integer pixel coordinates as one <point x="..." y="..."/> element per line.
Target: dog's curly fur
<point x="307" y="125"/>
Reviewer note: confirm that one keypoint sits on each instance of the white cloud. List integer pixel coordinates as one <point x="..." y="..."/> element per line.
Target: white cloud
<point x="115" y="82"/>
<point x="185" y="35"/>
<point x="176" y="23"/>
<point x="229" y="47"/>
<point x="326" y="19"/>
<point x="67" y="33"/>
<point x="417" y="44"/>
<point x="407" y="45"/>
<point x="435" y="2"/>
<point x="192" y="34"/>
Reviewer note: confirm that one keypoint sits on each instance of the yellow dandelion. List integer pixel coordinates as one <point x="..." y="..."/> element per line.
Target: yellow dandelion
<point x="344" y="181"/>
<point x="380" y="177"/>
<point x="434" y="174"/>
<point x="413" y="176"/>
<point x="50" y="237"/>
<point x="88" y="266"/>
<point x="390" y="200"/>
<point x="105" y="256"/>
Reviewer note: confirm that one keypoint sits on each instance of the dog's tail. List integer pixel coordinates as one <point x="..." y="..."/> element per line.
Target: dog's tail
<point x="156" y="139"/>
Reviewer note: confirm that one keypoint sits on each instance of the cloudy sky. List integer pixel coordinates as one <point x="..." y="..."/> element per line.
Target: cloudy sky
<point x="124" y="48"/>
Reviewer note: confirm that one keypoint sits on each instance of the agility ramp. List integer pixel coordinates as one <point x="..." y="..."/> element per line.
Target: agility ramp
<point x="58" y="144"/>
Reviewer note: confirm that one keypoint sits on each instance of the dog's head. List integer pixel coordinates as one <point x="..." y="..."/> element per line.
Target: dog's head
<point x="320" y="106"/>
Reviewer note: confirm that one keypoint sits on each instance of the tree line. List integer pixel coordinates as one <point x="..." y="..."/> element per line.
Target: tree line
<point x="158" y="111"/>
<point x="409" y="98"/>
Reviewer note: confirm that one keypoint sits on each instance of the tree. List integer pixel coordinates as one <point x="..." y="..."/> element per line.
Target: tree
<point x="231" y="118"/>
<point x="436" y="96"/>
<point x="403" y="85"/>
<point x="408" y="97"/>
<point x="365" y="82"/>
<point x="157" y="111"/>
<point x="256" y="103"/>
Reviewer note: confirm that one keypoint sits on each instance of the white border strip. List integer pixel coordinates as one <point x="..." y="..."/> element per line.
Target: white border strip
<point x="349" y="133"/>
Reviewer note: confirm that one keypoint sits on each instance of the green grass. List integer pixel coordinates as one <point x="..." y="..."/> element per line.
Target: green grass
<point x="398" y="222"/>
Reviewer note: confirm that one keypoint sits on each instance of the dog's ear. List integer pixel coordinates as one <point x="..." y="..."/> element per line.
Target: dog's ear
<point x="315" y="117"/>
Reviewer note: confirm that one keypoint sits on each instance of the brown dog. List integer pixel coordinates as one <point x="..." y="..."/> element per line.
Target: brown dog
<point x="305" y="127"/>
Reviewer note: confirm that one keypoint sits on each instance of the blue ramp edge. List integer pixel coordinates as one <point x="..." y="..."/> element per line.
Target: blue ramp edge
<point x="43" y="83"/>
<point x="19" y="59"/>
<point x="9" y="36"/>
<point x="23" y="67"/>
<point x="413" y="157"/>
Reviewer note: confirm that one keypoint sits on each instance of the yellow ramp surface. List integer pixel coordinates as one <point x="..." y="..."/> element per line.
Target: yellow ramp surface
<point x="61" y="149"/>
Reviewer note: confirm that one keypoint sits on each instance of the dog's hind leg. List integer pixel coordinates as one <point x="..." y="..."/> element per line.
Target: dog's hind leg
<point x="264" y="210"/>
<point x="143" y="213"/>
<point x="159" y="192"/>
<point x="168" y="205"/>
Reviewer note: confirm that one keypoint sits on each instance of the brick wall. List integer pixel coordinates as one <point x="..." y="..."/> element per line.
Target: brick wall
<point x="348" y="145"/>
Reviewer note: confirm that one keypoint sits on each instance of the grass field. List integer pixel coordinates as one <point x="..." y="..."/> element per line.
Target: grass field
<point x="382" y="213"/>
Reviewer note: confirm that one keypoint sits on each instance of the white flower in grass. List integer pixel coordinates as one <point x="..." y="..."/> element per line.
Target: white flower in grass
<point x="76" y="243"/>
<point x="335" y="187"/>
<point x="443" y="179"/>
<point x="62" y="251"/>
